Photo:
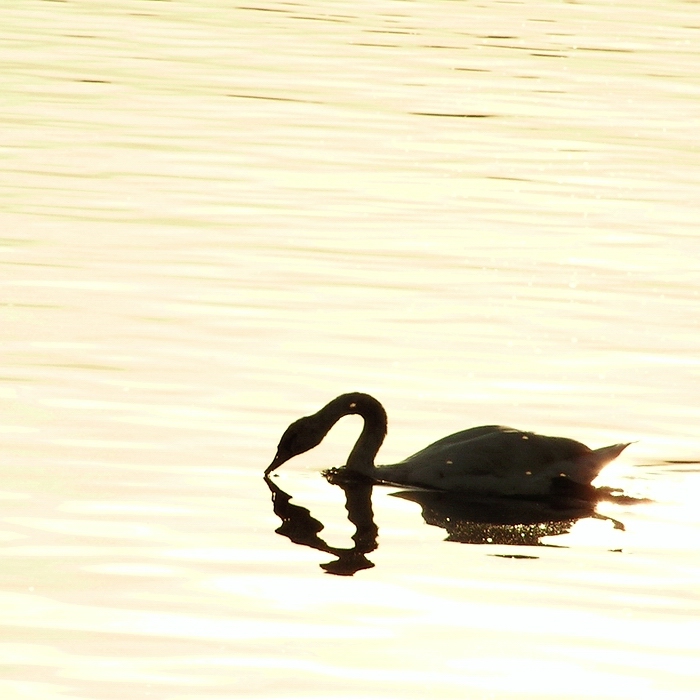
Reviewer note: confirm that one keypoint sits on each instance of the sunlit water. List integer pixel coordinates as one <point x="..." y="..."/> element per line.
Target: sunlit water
<point x="218" y="217"/>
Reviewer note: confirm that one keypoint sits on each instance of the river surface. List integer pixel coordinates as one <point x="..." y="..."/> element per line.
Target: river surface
<point x="216" y="217"/>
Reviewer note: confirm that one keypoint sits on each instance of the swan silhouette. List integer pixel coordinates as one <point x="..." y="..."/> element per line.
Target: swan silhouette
<point x="486" y="460"/>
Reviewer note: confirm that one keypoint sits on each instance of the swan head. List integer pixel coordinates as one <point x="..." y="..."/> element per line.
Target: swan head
<point x="301" y="436"/>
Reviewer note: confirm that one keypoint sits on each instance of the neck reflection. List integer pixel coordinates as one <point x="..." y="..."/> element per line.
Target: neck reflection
<point x="301" y="527"/>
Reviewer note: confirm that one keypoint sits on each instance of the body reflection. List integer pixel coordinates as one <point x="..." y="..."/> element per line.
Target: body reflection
<point x="501" y="520"/>
<point x="492" y="520"/>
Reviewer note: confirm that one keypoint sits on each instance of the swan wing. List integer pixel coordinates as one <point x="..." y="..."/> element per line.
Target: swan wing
<point x="499" y="460"/>
<point x="494" y="450"/>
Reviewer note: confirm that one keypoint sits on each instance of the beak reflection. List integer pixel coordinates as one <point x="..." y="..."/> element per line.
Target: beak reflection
<point x="276" y="462"/>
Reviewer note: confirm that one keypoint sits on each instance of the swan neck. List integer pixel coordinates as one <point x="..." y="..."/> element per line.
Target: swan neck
<point x="362" y="456"/>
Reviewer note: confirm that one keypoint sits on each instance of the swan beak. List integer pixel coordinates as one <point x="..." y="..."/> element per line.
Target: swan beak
<point x="279" y="459"/>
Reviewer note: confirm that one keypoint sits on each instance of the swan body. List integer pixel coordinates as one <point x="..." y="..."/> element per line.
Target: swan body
<point x="488" y="460"/>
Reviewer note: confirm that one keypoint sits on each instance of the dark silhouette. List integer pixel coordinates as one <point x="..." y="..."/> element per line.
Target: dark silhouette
<point x="489" y="460"/>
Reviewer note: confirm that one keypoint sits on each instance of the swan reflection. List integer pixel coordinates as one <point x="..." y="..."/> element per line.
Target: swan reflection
<point x="493" y="520"/>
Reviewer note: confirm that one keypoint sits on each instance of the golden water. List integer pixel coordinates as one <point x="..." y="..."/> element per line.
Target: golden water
<point x="217" y="217"/>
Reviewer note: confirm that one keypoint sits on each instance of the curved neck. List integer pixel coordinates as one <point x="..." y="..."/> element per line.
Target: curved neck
<point x="362" y="456"/>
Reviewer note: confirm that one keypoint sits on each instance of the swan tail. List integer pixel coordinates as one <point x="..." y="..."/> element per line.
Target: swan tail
<point x="604" y="455"/>
<point x="597" y="459"/>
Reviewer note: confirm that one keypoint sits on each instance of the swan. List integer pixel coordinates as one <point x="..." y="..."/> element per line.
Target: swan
<point x="489" y="460"/>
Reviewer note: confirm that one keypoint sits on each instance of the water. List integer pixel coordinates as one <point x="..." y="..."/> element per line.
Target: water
<point x="218" y="217"/>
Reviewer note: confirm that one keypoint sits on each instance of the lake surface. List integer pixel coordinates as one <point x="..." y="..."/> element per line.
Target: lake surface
<point x="217" y="217"/>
